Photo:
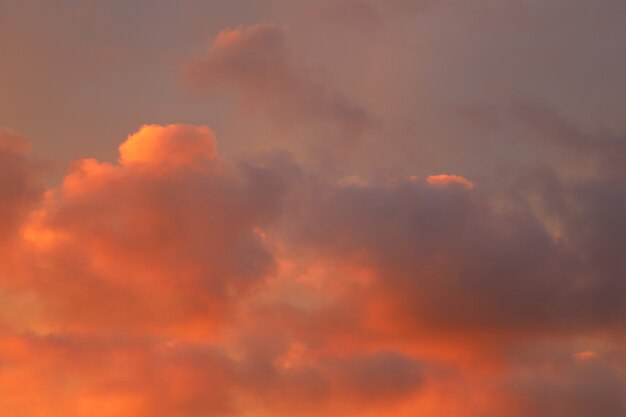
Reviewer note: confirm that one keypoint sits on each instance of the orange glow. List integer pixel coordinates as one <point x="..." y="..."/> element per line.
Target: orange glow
<point x="159" y="287"/>
<point x="586" y="355"/>
<point x="177" y="145"/>
<point x="313" y="208"/>
<point x="445" y="180"/>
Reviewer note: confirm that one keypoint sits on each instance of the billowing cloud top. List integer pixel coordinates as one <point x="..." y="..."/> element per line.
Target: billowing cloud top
<point x="418" y="208"/>
<point x="176" y="145"/>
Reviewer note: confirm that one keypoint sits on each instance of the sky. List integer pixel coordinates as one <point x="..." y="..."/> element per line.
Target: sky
<point x="341" y="208"/>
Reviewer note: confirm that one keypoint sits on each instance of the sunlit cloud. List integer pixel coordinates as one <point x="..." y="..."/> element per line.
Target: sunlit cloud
<point x="402" y="208"/>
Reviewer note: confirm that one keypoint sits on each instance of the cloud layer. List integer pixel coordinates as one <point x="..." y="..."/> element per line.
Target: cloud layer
<point x="177" y="282"/>
<point x="362" y="208"/>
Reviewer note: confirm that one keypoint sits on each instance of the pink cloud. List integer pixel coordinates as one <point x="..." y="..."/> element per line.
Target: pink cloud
<point x="177" y="145"/>
<point x="444" y="180"/>
<point x="178" y="281"/>
<point x="256" y="62"/>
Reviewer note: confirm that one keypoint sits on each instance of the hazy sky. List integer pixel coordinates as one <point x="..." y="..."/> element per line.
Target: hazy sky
<point x="332" y="208"/>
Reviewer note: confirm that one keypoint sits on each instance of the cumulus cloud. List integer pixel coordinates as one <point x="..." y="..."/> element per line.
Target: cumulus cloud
<point x="465" y="259"/>
<point x="453" y="257"/>
<point x="177" y="145"/>
<point x="144" y="289"/>
<point x="170" y="219"/>
<point x="177" y="281"/>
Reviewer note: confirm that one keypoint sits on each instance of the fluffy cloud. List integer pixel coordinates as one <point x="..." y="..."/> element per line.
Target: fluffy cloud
<point x="176" y="281"/>
<point x="460" y="259"/>
<point x="465" y="259"/>
<point x="170" y="231"/>
<point x="142" y="281"/>
<point x="170" y="145"/>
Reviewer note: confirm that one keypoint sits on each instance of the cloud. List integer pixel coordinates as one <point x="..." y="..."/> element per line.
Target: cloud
<point x="169" y="231"/>
<point x="20" y="189"/>
<point x="444" y="180"/>
<point x="565" y="388"/>
<point x="456" y="261"/>
<point x="255" y="62"/>
<point x="139" y="279"/>
<point x="179" y="281"/>
<point x="176" y="145"/>
<point x="441" y="235"/>
<point x="143" y="377"/>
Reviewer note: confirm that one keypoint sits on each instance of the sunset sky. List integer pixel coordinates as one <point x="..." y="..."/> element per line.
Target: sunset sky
<point x="313" y="208"/>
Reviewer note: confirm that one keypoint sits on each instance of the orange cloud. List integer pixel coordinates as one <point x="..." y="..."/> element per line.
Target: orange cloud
<point x="445" y="180"/>
<point x="168" y="233"/>
<point x="178" y="282"/>
<point x="321" y="279"/>
<point x="177" y="145"/>
<point x="585" y="355"/>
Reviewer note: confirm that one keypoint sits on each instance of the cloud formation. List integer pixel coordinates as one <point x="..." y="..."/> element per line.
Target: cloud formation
<point x="178" y="282"/>
<point x="256" y="63"/>
<point x="416" y="208"/>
